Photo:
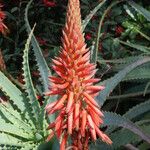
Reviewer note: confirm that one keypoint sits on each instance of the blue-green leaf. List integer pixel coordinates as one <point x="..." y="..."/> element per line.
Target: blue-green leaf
<point x="12" y="92"/>
<point x="28" y="81"/>
<point x="42" y="65"/>
<point x="139" y="9"/>
<point x="113" y="82"/>
<point x="112" y="119"/>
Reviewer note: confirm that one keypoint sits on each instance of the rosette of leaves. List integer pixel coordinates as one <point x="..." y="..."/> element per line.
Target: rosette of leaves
<point x="22" y="120"/>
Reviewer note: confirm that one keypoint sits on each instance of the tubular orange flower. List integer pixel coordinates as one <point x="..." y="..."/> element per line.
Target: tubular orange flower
<point x="79" y="114"/>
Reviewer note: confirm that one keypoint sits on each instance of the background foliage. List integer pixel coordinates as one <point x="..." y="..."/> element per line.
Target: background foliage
<point x="117" y="33"/>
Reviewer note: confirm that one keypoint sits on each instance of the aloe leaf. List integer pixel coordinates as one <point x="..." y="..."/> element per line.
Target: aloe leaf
<point x="12" y="129"/>
<point x="138" y="74"/>
<point x="125" y="60"/>
<point x="112" y="119"/>
<point x="15" y="118"/>
<point x="42" y="65"/>
<point x="31" y="147"/>
<point x="7" y="139"/>
<point x="43" y="120"/>
<point x="138" y="110"/>
<point x="28" y="81"/>
<point x="92" y="13"/>
<point x="121" y="138"/>
<point x="139" y="9"/>
<point x="111" y="83"/>
<point x="143" y="146"/>
<point x="9" y="147"/>
<point x="12" y="92"/>
<point x="136" y="46"/>
<point x="134" y="112"/>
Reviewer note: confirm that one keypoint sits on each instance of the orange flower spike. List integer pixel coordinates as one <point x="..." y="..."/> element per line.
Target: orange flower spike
<point x="73" y="83"/>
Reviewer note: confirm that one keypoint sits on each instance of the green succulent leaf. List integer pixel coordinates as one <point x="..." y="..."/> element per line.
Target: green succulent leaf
<point x="28" y="82"/>
<point x="140" y="9"/>
<point x="112" y="119"/>
<point x="15" y="118"/>
<point x="134" y="112"/>
<point x="12" y="92"/>
<point x="7" y="139"/>
<point x="138" y="73"/>
<point x="16" y="97"/>
<point x="111" y="83"/>
<point x="136" y="46"/>
<point x="41" y="63"/>
<point x="138" y="110"/>
<point x="12" y="129"/>
<point x="120" y="138"/>
<point x="126" y="60"/>
<point x="143" y="146"/>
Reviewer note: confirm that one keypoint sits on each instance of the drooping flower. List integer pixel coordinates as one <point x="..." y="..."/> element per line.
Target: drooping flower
<point x="3" y="27"/>
<point x="79" y="115"/>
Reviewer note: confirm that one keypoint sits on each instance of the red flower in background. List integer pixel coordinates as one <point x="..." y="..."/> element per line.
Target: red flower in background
<point x="119" y="30"/>
<point x="79" y="115"/>
<point x="3" y="28"/>
<point x="88" y="36"/>
<point x="49" y="3"/>
<point x="41" y="41"/>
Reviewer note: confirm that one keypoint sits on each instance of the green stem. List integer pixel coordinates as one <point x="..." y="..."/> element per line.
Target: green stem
<point x="88" y="18"/>
<point x="54" y="23"/>
<point x="143" y="35"/>
<point x="99" y="34"/>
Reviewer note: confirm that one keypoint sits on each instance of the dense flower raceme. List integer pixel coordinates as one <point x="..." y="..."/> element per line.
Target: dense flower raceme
<point x="79" y="115"/>
<point x="3" y="28"/>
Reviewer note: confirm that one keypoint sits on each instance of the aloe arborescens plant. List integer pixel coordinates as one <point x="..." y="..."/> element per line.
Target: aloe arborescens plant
<point x="23" y="122"/>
